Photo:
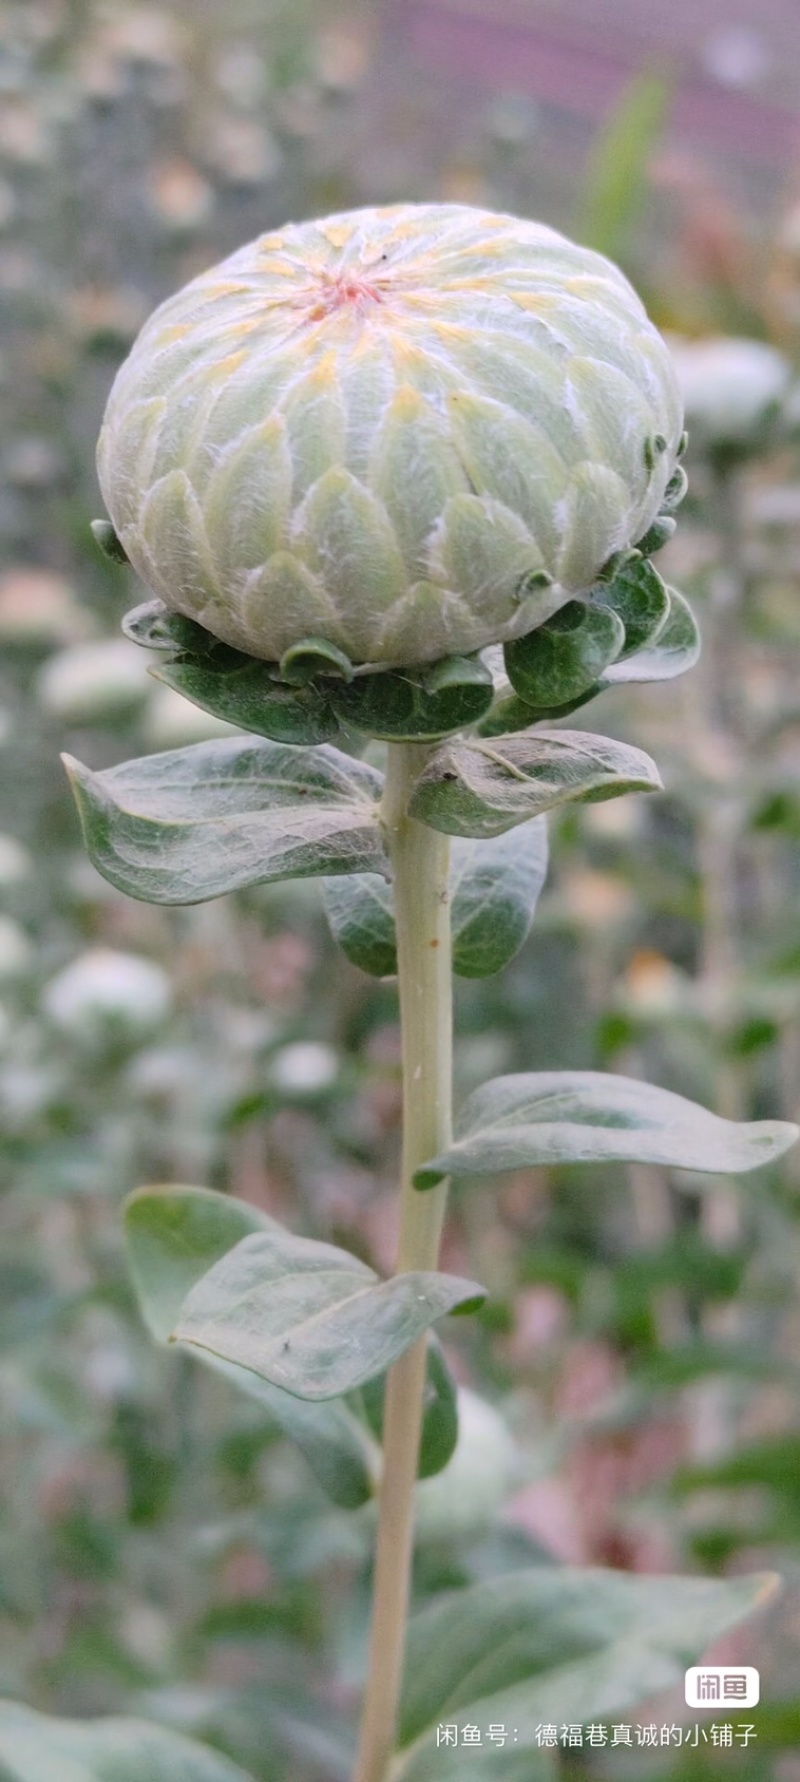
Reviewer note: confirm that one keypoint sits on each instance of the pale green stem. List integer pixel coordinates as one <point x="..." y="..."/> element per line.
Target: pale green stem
<point x="420" y="862"/>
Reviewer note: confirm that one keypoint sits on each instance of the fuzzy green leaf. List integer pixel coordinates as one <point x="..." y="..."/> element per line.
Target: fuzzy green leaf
<point x="310" y="1318"/>
<point x="675" y="648"/>
<point x="565" y="1116"/>
<point x="640" y="599"/>
<point x="174" y="1235"/>
<point x="495" y="886"/>
<point x="439" y="1414"/>
<point x="566" y="655"/>
<point x="194" y="823"/>
<point x="248" y="697"/>
<point x="555" y="1644"/>
<point x="483" y="788"/>
<point x="414" y="705"/>
<point x="37" y="1748"/>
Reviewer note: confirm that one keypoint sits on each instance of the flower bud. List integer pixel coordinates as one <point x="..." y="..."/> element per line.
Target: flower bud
<point x="407" y="432"/>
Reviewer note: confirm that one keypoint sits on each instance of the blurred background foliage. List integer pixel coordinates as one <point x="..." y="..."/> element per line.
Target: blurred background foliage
<point x="162" y="1550"/>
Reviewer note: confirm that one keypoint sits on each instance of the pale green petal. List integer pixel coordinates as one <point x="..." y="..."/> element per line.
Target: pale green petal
<point x="483" y="551"/>
<point x="596" y="523"/>
<point x="344" y="535"/>
<point x="316" y="426"/>
<point x="507" y="458"/>
<point x="413" y="470"/>
<point x="283" y="602"/>
<point x="427" y="623"/>
<point x="125" y="452"/>
<point x="246" y="502"/>
<point x="173" y="535"/>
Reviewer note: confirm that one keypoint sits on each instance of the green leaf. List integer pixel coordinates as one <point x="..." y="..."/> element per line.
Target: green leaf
<point x="174" y="1235"/>
<point x="194" y="823"/>
<point x="360" y="910"/>
<point x="481" y="789"/>
<point x="155" y="627"/>
<point x="616" y="179"/>
<point x="106" y="540"/>
<point x="37" y="1748"/>
<point x="670" y="653"/>
<point x="555" y="1645"/>
<point x="310" y="1318"/>
<point x="314" y="656"/>
<point x="439" y="1416"/>
<point x="495" y="886"/>
<point x="414" y="705"/>
<point x="565" y="1116"/>
<point x="249" y="697"/>
<point x="566" y="655"/>
<point x="640" y="599"/>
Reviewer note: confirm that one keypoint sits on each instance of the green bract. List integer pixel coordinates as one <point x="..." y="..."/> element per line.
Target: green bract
<point x="406" y="433"/>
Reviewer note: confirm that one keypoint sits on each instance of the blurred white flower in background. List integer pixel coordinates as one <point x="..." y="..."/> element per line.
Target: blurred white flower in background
<point x="730" y="387"/>
<point x="16" y="864"/>
<point x="16" y="951"/>
<point x="170" y="721"/>
<point x="93" y="683"/>
<point x="485" y="1469"/>
<point x="304" y="1068"/>
<point x="103" y="991"/>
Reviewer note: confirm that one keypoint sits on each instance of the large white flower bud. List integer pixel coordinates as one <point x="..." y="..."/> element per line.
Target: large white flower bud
<point x="410" y="431"/>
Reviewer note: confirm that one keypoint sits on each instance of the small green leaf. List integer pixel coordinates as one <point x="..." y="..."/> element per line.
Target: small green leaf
<point x="310" y="1318"/>
<point x="360" y="910"/>
<point x="675" y="648"/>
<point x="106" y="539"/>
<point x="311" y="657"/>
<point x="657" y="535"/>
<point x="483" y="788"/>
<point x="640" y="599"/>
<point x="155" y="627"/>
<point x="565" y="1116"/>
<point x="194" y="823"/>
<point x="37" y="1748"/>
<point x="555" y="1644"/>
<point x="415" y="705"/>
<point x="249" y="697"/>
<point x="495" y="886"/>
<point x="439" y="1414"/>
<point x="615" y="182"/>
<point x="566" y="655"/>
<point x="174" y="1235"/>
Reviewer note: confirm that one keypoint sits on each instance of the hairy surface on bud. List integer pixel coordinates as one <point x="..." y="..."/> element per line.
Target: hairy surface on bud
<point x="410" y="431"/>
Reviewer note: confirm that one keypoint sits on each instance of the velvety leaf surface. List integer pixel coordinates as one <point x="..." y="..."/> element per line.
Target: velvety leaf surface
<point x="495" y="888"/>
<point x="557" y="1645"/>
<point x="593" y="1117"/>
<point x="194" y="823"/>
<point x="481" y="789"/>
<point x="174" y="1235"/>
<point x="309" y="1317"/>
<point x="566" y="655"/>
<point x="247" y="697"/>
<point x="439" y="1417"/>
<point x="675" y="648"/>
<point x="36" y="1748"/>
<point x="641" y="600"/>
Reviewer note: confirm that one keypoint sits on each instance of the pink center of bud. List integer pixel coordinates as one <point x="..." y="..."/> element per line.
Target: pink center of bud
<point x="347" y="290"/>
